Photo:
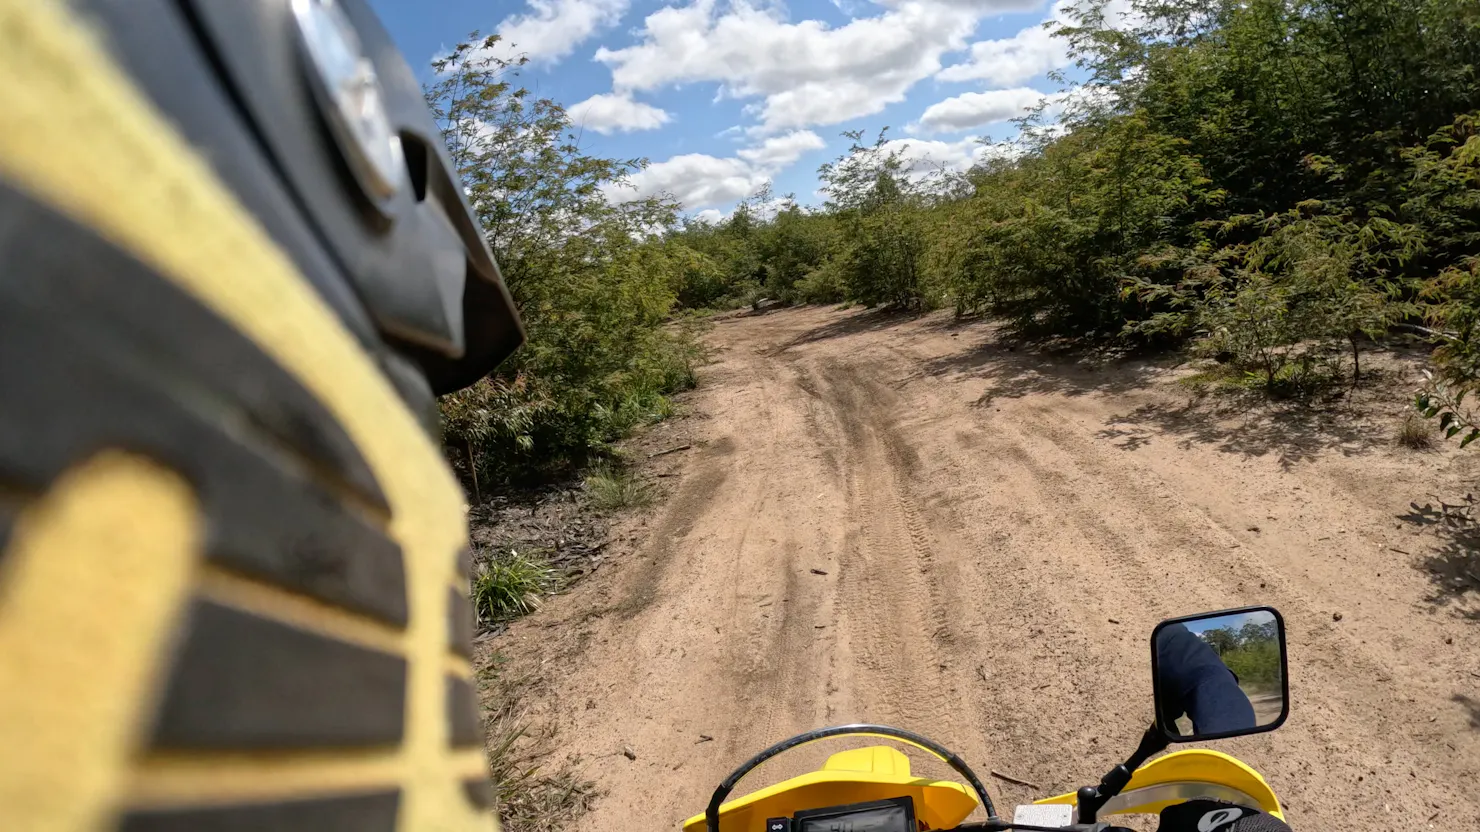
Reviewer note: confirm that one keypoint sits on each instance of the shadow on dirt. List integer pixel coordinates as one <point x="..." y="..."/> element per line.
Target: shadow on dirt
<point x="1469" y="705"/>
<point x="1015" y="369"/>
<point x="1453" y="564"/>
<point x="1251" y="427"/>
<point x="1233" y="422"/>
<point x="871" y="320"/>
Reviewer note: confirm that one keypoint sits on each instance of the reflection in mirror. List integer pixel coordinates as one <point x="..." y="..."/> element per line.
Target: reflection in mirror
<point x="1220" y="675"/>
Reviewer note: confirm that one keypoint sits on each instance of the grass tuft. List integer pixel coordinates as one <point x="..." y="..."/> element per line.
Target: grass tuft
<point x="610" y="489"/>
<point x="511" y="585"/>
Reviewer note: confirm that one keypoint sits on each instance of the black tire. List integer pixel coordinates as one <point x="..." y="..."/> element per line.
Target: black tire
<point x="233" y="586"/>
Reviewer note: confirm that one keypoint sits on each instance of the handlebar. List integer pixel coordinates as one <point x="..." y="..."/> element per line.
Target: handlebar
<point x="711" y="813"/>
<point x="1004" y="826"/>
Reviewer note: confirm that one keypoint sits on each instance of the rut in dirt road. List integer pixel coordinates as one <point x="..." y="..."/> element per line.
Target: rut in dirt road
<point x="997" y="535"/>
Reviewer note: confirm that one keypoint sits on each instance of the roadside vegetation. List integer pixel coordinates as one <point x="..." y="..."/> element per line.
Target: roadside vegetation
<point x="1278" y="185"/>
<point x="1252" y="652"/>
<point x="596" y="282"/>
<point x="509" y="584"/>
<point x="611" y="488"/>
<point x="531" y="795"/>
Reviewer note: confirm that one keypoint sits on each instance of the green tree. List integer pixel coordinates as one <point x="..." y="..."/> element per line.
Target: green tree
<point x="1222" y="639"/>
<point x="879" y="210"/>
<point x="593" y="281"/>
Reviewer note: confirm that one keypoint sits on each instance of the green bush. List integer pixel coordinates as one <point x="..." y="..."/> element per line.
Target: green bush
<point x="880" y="253"/>
<point x="595" y="281"/>
<point x="1251" y="652"/>
<point x="821" y="285"/>
<point x="1256" y="665"/>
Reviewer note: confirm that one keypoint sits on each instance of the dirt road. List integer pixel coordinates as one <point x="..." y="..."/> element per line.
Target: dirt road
<point x="999" y="531"/>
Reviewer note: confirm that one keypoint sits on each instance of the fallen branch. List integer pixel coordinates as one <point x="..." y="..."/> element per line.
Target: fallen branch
<point x="669" y="451"/>
<point x="1426" y="332"/>
<point x="1009" y="778"/>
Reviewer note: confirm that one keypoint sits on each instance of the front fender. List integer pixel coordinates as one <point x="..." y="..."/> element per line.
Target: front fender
<point x="1187" y="775"/>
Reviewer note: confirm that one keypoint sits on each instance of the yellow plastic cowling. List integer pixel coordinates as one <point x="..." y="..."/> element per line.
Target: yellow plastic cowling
<point x="1183" y="775"/>
<point x="857" y="776"/>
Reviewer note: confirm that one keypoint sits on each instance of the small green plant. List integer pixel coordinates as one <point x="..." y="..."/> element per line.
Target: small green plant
<point x="1214" y="377"/>
<point x="610" y="488"/>
<point x="510" y="585"/>
<point x="663" y="408"/>
<point x="1415" y="432"/>
<point x="1440" y="398"/>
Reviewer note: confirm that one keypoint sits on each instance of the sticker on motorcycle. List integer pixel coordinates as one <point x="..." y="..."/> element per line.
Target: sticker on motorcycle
<point x="1218" y="817"/>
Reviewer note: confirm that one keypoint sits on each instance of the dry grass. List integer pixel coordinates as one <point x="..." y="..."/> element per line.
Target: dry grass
<point x="1415" y="433"/>
<point x="534" y="793"/>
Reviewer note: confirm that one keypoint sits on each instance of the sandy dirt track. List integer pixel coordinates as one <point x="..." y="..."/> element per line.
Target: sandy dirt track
<point x="1000" y="530"/>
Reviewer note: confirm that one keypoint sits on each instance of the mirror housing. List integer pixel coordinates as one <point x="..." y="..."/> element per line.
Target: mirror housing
<point x="1220" y="674"/>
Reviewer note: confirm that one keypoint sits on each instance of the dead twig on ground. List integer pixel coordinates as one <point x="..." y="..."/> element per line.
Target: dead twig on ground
<point x="1018" y="780"/>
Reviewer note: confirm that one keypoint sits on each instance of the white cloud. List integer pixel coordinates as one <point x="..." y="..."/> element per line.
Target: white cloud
<point x="609" y="113"/>
<point x="975" y="109"/>
<point x="777" y="152"/>
<point x="695" y="180"/>
<point x="763" y="211"/>
<point x="923" y="156"/>
<point x="552" y="29"/>
<point x="803" y="73"/>
<point x="1032" y="51"/>
<point x="983" y="8"/>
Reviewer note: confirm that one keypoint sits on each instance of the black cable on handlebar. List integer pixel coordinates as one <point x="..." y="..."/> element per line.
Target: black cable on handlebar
<point x="711" y="813"/>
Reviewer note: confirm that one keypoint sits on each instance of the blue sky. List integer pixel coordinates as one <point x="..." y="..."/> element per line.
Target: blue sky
<point x="1232" y="622"/>
<point x="722" y="97"/>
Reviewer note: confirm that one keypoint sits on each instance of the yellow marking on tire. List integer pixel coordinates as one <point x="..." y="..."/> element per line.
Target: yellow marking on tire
<point x="236" y="590"/>
<point x="193" y="779"/>
<point x="90" y="595"/>
<point x="246" y="593"/>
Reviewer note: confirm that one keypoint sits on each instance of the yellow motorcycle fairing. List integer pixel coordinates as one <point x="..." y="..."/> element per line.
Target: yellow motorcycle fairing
<point x="856" y="776"/>
<point x="1187" y="775"/>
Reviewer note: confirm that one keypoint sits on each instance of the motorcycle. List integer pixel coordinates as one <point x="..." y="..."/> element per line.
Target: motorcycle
<point x="1215" y="675"/>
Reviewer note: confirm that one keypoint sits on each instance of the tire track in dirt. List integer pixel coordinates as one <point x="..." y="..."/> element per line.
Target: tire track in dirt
<point x="1153" y="573"/>
<point x="894" y="604"/>
<point x="996" y="554"/>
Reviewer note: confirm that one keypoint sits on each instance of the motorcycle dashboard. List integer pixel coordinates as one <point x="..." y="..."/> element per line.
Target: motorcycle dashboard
<point x="893" y="815"/>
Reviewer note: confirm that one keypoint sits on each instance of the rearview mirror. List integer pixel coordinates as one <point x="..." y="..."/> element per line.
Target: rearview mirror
<point x="1220" y="674"/>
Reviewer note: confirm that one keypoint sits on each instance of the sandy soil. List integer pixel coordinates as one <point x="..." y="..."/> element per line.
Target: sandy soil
<point x="999" y="531"/>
